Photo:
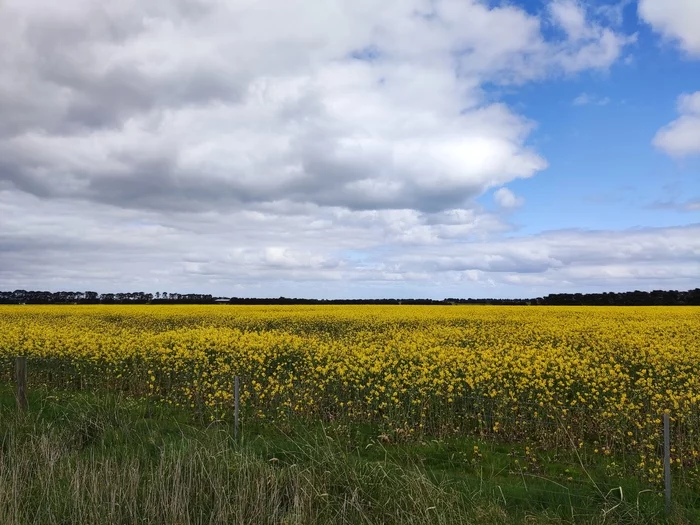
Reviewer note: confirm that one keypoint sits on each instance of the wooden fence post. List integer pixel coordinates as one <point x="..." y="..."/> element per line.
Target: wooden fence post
<point x="667" y="462"/>
<point x="236" y="402"/>
<point x="21" y="383"/>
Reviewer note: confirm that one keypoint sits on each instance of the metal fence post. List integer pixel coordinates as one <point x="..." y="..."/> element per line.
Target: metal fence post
<point x="667" y="461"/>
<point x="21" y="378"/>
<point x="236" y="403"/>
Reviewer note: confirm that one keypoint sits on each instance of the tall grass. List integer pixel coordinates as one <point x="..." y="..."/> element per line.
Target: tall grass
<point x="93" y="465"/>
<point x="81" y="460"/>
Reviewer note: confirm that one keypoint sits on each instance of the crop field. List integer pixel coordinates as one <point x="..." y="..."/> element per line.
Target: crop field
<point x="541" y="404"/>
<point x="595" y="379"/>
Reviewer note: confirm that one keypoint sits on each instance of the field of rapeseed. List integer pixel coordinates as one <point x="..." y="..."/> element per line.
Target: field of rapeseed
<point x="595" y="379"/>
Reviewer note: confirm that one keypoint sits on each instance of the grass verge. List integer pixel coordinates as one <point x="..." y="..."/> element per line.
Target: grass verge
<point x="78" y="458"/>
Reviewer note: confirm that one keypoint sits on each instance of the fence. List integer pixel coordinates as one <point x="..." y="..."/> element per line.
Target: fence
<point x="553" y="452"/>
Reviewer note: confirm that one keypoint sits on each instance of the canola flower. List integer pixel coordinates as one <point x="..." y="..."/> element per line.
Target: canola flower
<point x="587" y="377"/>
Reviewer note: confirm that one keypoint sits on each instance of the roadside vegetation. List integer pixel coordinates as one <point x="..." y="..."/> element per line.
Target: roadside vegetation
<point x="80" y="458"/>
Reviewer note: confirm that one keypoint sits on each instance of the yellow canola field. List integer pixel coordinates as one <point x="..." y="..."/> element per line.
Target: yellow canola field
<point x="570" y="375"/>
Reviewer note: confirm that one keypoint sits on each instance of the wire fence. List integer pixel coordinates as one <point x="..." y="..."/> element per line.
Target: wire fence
<point x="554" y="453"/>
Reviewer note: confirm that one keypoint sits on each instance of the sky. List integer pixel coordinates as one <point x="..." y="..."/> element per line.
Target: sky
<point x="350" y="148"/>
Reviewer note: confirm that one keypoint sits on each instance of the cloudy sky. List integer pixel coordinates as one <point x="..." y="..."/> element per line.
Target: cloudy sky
<point x="350" y="148"/>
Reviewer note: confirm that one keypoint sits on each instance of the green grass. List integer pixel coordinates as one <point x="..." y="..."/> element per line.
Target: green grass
<point x="80" y="458"/>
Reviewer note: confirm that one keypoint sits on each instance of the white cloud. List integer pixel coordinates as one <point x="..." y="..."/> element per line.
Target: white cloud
<point x="569" y="14"/>
<point x="676" y="20"/>
<point x="589" y="44"/>
<point x="689" y="103"/>
<point x="613" y="13"/>
<point x="668" y="257"/>
<point x="682" y="136"/>
<point x="507" y="199"/>
<point x="324" y="252"/>
<point x="584" y="99"/>
<point x="269" y="141"/>
<point x="154" y="111"/>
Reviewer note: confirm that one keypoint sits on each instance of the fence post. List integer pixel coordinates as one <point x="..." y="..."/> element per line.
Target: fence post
<point x="236" y="403"/>
<point x="21" y="378"/>
<point x="667" y="461"/>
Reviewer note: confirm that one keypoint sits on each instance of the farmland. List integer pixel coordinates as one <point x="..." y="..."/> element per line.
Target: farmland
<point x="583" y="383"/>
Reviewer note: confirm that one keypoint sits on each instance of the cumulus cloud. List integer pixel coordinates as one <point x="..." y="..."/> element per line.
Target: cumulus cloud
<point x="201" y="145"/>
<point x="676" y="20"/>
<point x="588" y="44"/>
<point x="571" y="17"/>
<point x="201" y="104"/>
<point x="682" y="136"/>
<point x="507" y="199"/>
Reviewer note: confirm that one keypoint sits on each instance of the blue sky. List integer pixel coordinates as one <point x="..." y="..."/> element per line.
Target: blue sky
<point x="417" y="148"/>
<point x="603" y="171"/>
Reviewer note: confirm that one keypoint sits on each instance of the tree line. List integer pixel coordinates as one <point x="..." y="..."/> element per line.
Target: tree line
<point x="634" y="298"/>
<point x="39" y="297"/>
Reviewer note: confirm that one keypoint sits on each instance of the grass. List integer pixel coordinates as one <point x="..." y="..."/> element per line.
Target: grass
<point x="80" y="458"/>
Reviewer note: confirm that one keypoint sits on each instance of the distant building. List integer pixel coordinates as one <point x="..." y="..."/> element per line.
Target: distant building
<point x="222" y="300"/>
